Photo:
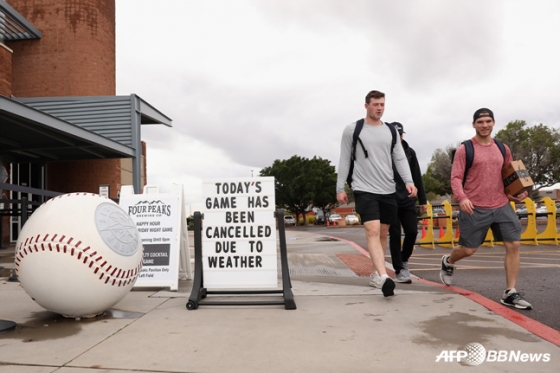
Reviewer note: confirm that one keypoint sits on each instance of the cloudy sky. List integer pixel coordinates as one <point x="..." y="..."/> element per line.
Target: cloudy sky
<point x="247" y="82"/>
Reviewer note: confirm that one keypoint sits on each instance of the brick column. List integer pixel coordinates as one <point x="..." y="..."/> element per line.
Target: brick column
<point x="76" y="54"/>
<point x="5" y="70"/>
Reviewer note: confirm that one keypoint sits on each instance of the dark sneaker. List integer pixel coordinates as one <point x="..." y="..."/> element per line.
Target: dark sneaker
<point x="446" y="273"/>
<point x="388" y="286"/>
<point x="512" y="298"/>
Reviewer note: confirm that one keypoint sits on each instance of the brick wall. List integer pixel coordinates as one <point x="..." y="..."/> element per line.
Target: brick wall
<point x="84" y="176"/>
<point x="5" y="70"/>
<point x="76" y="54"/>
<point x="74" y="57"/>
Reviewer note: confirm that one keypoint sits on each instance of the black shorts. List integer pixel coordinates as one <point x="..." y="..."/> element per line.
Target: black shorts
<point x="382" y="207"/>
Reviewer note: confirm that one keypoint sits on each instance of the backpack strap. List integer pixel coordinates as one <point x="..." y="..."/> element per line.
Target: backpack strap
<point x="356" y="139"/>
<point x="393" y="134"/>
<point x="469" y="157"/>
<point x="502" y="148"/>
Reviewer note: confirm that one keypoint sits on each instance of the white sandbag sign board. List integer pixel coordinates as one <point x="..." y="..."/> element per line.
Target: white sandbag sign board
<point x="239" y="248"/>
<point x="158" y="220"/>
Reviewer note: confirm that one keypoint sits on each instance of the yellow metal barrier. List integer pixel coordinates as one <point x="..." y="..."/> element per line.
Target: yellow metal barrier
<point x="448" y="238"/>
<point x="428" y="240"/>
<point x="530" y="235"/>
<point x="550" y="233"/>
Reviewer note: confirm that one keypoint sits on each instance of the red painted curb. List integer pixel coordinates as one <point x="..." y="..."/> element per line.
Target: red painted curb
<point x="535" y="327"/>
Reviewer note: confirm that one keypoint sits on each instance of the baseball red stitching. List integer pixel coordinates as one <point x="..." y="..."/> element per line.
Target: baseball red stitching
<point x="111" y="275"/>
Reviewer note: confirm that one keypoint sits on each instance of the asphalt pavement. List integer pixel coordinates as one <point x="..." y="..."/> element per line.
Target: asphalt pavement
<point x="341" y="324"/>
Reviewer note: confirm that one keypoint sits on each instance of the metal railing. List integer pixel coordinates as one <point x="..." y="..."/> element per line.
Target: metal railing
<point x="22" y="207"/>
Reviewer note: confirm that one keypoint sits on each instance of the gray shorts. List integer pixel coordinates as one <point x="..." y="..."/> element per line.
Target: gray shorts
<point x="503" y="221"/>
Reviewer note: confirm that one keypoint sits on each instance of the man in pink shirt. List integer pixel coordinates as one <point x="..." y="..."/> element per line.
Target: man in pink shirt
<point x="484" y="204"/>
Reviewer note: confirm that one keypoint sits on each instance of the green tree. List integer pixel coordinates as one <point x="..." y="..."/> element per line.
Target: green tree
<point x="538" y="147"/>
<point x="323" y="183"/>
<point x="301" y="183"/>
<point x="437" y="178"/>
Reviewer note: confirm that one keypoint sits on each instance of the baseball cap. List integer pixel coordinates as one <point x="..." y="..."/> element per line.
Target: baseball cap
<point x="483" y="112"/>
<point x="399" y="127"/>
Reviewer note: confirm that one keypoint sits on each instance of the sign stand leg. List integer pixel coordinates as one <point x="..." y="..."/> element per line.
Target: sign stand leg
<point x="290" y="304"/>
<point x="199" y="292"/>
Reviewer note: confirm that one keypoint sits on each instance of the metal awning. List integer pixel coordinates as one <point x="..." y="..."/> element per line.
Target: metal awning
<point x="50" y="129"/>
<point x="13" y="26"/>
<point x="115" y="117"/>
<point x="29" y="135"/>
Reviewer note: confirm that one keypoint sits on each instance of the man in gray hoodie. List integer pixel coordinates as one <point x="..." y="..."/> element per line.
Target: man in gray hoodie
<point x="373" y="182"/>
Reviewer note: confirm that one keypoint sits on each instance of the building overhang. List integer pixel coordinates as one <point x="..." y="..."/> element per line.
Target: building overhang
<point x="30" y="135"/>
<point x="13" y="26"/>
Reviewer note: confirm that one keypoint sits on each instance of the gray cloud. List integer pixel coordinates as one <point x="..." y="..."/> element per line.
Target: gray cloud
<point x="247" y="82"/>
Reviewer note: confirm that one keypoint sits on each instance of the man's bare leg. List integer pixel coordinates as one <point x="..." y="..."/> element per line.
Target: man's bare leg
<point x="459" y="252"/>
<point x="374" y="244"/>
<point x="511" y="263"/>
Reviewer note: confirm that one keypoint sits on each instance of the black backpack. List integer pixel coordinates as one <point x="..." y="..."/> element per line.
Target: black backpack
<point x="469" y="155"/>
<point x="356" y="138"/>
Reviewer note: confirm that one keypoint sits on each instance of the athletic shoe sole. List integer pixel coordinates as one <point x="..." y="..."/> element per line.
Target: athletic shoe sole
<point x="407" y="281"/>
<point x="388" y="287"/>
<point x="516" y="306"/>
<point x="443" y="275"/>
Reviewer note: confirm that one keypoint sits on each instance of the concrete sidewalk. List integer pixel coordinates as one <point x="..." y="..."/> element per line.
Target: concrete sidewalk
<point x="340" y="325"/>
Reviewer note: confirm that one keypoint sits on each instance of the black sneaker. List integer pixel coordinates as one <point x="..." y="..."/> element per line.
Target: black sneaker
<point x="512" y="298"/>
<point x="388" y="287"/>
<point x="446" y="273"/>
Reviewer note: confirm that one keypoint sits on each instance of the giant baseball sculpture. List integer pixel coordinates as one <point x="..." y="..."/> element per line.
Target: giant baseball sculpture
<point x="78" y="255"/>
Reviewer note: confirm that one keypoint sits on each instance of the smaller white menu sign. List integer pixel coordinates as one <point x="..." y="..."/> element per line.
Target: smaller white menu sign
<point x="159" y="220"/>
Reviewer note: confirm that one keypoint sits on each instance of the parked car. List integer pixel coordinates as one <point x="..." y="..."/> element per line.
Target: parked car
<point x="334" y="218"/>
<point x="289" y="220"/>
<point x="352" y="219"/>
<point x="521" y="212"/>
<point x="557" y="210"/>
<point x="436" y="210"/>
<point x="539" y="208"/>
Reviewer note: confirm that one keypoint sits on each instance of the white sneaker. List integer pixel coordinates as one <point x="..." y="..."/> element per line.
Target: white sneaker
<point x="375" y="280"/>
<point x="446" y="272"/>
<point x="515" y="299"/>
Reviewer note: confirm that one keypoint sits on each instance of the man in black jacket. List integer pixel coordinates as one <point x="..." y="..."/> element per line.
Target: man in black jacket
<point x="407" y="216"/>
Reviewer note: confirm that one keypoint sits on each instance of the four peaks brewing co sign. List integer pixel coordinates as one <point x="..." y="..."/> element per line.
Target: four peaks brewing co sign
<point x="239" y="233"/>
<point x="160" y="220"/>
